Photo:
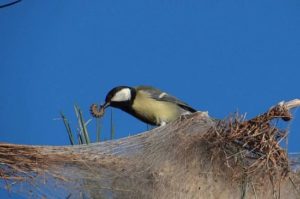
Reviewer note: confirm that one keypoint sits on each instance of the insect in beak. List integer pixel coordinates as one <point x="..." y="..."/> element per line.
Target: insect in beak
<point x="98" y="112"/>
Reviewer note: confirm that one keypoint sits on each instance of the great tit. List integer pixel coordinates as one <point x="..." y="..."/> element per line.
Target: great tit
<point x="146" y="103"/>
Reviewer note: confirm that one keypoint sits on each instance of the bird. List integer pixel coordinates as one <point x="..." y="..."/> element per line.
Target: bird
<point x="146" y="103"/>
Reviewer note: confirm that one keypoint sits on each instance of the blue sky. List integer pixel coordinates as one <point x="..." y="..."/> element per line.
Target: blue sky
<point x="220" y="56"/>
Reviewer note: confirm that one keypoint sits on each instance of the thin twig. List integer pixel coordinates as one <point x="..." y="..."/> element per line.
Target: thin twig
<point x="10" y="4"/>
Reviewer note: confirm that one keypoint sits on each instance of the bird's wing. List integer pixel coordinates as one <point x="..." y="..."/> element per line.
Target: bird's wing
<point x="163" y="96"/>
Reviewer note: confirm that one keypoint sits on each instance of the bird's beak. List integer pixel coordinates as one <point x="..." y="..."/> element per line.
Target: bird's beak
<point x="105" y="105"/>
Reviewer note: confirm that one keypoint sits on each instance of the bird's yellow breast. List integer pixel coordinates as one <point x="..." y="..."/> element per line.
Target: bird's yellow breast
<point x="153" y="110"/>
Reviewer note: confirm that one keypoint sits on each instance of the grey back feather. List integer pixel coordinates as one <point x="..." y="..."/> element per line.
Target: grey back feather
<point x="163" y="96"/>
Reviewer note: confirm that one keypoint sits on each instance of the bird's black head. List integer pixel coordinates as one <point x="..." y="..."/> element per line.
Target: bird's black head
<point x="120" y="97"/>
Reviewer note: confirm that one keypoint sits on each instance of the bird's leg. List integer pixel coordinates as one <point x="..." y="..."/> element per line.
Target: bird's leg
<point x="163" y="123"/>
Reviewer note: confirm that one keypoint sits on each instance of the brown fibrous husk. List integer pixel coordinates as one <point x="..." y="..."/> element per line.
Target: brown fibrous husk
<point x="193" y="157"/>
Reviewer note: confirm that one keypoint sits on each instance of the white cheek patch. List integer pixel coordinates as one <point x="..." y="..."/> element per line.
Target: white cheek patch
<point x="122" y="95"/>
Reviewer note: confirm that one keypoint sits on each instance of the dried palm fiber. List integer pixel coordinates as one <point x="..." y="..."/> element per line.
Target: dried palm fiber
<point x="193" y="157"/>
